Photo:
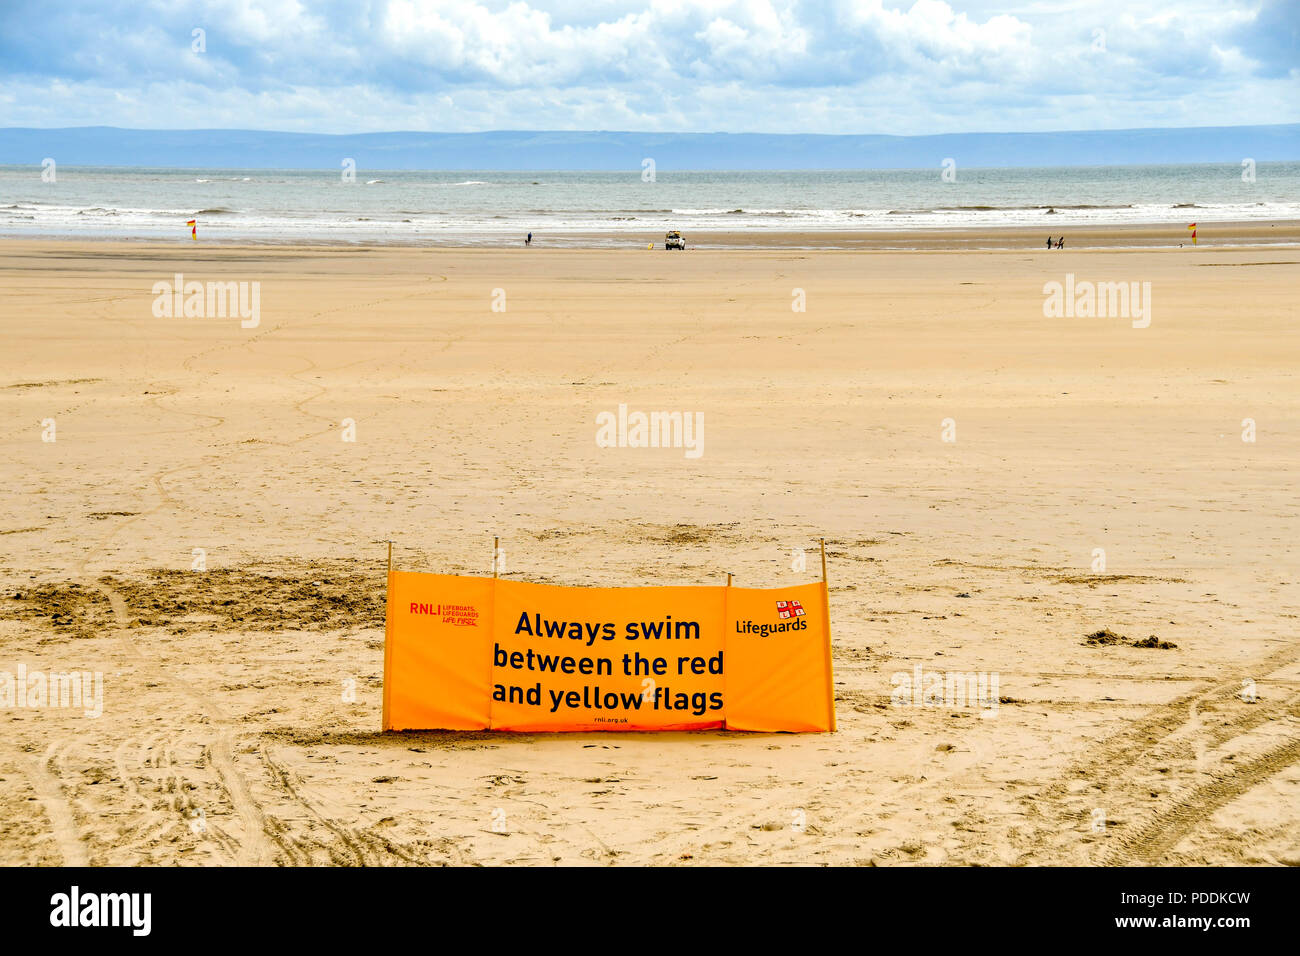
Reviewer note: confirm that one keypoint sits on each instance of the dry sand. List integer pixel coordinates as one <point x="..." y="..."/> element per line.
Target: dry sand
<point x="226" y="736"/>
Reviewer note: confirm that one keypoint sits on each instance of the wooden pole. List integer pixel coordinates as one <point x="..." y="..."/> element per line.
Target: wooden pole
<point x="826" y="623"/>
<point x="487" y="660"/>
<point x="388" y="637"/>
<point x="726" y="616"/>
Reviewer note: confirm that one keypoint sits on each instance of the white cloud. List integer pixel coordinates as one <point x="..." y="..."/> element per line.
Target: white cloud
<point x="769" y="65"/>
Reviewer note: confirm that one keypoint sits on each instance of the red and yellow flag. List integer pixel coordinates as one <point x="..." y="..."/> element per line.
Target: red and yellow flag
<point x="194" y="229"/>
<point x="1193" y="228"/>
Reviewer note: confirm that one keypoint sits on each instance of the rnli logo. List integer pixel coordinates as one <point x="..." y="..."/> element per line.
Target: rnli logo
<point x="459" y="615"/>
<point x="786" y="610"/>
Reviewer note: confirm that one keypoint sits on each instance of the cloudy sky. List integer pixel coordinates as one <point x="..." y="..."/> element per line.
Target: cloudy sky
<point x="834" y="66"/>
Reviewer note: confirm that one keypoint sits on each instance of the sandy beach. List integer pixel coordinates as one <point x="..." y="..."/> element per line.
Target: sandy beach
<point x="964" y="455"/>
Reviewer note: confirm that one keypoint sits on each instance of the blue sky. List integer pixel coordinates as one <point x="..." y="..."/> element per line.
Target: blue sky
<point x="836" y="66"/>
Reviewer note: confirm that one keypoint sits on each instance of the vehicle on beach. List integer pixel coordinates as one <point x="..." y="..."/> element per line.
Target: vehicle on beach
<point x="674" y="240"/>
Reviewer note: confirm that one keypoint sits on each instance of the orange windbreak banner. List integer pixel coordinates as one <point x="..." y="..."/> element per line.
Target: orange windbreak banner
<point x="779" y="674"/>
<point x="437" y="662"/>
<point x="480" y="653"/>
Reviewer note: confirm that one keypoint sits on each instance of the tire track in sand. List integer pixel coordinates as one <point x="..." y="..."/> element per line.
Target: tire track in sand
<point x="1117" y="762"/>
<point x="1150" y="842"/>
<point x="262" y="836"/>
<point x="255" y="849"/>
<point x="261" y="840"/>
<point x="282" y="778"/>
<point x="58" y="809"/>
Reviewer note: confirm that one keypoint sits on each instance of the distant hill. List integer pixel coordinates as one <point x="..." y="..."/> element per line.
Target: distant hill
<point x="525" y="150"/>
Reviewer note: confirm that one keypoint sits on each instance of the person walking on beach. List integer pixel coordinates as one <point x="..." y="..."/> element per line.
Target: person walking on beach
<point x="529" y="240"/>
<point x="1060" y="243"/>
<point x="1049" y="242"/>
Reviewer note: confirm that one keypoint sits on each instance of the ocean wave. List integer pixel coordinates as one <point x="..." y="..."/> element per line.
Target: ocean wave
<point x="771" y="213"/>
<point x="601" y="213"/>
<point x="1087" y="206"/>
<point x="732" y="212"/>
<point x="277" y="204"/>
<point x="1026" y="208"/>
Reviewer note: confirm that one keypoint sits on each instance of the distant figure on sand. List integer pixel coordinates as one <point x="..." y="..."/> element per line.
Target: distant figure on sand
<point x="1049" y="242"/>
<point x="1060" y="243"/>
<point x="529" y="240"/>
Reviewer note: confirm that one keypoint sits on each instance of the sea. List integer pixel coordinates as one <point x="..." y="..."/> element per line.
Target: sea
<point x="615" y="208"/>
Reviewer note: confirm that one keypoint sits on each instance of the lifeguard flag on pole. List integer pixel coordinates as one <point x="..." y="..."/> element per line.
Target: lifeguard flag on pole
<point x="194" y="229"/>
<point x="1193" y="228"/>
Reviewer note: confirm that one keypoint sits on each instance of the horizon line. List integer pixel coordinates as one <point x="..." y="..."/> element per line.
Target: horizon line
<point x="643" y="132"/>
